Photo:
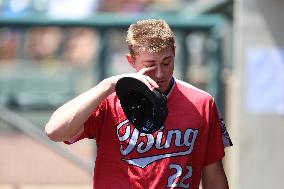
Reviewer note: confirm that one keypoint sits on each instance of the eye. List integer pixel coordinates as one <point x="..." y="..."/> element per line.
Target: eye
<point x="167" y="61"/>
<point x="149" y="64"/>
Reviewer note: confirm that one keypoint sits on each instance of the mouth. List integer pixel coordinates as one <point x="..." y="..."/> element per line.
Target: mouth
<point x="160" y="82"/>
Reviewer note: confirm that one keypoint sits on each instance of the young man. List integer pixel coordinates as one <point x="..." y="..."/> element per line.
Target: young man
<point x="187" y="149"/>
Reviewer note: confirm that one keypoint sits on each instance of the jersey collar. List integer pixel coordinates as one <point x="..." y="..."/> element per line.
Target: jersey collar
<point x="170" y="88"/>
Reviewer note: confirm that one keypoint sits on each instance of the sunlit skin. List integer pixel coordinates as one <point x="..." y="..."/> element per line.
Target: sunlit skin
<point x="160" y="65"/>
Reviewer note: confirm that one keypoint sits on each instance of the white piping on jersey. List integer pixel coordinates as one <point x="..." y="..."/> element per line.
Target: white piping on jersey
<point x="187" y="85"/>
<point x="172" y="88"/>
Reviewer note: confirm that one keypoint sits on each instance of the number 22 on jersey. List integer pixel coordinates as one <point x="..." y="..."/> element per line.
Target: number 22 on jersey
<point x="178" y="171"/>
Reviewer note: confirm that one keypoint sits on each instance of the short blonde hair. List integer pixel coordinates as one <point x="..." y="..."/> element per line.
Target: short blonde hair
<point x="151" y="35"/>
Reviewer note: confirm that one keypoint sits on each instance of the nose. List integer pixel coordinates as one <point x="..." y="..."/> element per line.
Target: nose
<point x="158" y="72"/>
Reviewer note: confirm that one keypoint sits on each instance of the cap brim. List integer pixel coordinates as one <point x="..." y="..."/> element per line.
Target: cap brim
<point x="144" y="108"/>
<point x="128" y="85"/>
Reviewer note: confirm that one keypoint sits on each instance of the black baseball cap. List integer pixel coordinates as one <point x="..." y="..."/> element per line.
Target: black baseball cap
<point x="145" y="109"/>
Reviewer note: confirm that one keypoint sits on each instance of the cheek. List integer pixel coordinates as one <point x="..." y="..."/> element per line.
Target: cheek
<point x="169" y="71"/>
<point x="151" y="74"/>
<point x="138" y="67"/>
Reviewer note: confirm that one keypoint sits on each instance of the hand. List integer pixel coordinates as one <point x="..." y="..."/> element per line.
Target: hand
<point x="141" y="75"/>
<point x="146" y="79"/>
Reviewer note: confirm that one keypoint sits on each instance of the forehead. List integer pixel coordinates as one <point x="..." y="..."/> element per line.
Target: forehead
<point x="148" y="55"/>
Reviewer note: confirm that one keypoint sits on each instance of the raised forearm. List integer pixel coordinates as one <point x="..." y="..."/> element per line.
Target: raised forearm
<point x="68" y="119"/>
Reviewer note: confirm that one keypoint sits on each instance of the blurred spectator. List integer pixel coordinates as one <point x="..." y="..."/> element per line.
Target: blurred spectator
<point x="124" y="5"/>
<point x="80" y="46"/>
<point x="71" y="9"/>
<point x="16" y="7"/>
<point x="9" y="40"/>
<point x="43" y="42"/>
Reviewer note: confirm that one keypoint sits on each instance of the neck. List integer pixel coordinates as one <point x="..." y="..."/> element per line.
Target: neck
<point x="170" y="86"/>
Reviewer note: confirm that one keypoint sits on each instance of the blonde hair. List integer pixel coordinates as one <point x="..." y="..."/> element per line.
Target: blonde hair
<point x="150" y="35"/>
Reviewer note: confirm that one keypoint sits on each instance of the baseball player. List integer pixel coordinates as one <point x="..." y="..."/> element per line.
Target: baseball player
<point x="188" y="148"/>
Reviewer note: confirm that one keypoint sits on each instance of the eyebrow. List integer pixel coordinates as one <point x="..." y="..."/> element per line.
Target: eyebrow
<point x="167" y="57"/>
<point x="151" y="61"/>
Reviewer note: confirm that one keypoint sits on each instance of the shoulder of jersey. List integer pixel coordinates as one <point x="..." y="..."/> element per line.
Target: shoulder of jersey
<point x="192" y="89"/>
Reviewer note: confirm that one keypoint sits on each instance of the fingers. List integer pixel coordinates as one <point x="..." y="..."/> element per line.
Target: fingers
<point x="152" y="83"/>
<point x="146" y="79"/>
<point x="141" y="75"/>
<point x="145" y="70"/>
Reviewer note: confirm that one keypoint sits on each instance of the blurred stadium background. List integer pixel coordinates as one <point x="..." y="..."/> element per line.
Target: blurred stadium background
<point x="52" y="50"/>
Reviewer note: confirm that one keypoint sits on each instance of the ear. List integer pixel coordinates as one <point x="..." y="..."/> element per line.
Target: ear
<point x="130" y="60"/>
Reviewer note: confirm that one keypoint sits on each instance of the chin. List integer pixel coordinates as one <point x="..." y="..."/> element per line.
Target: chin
<point x="163" y="89"/>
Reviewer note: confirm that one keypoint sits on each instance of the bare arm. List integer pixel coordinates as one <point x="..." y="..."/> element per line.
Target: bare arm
<point x="214" y="177"/>
<point x="69" y="119"/>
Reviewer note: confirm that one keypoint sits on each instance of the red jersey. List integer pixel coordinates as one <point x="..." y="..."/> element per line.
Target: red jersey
<point x="172" y="157"/>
